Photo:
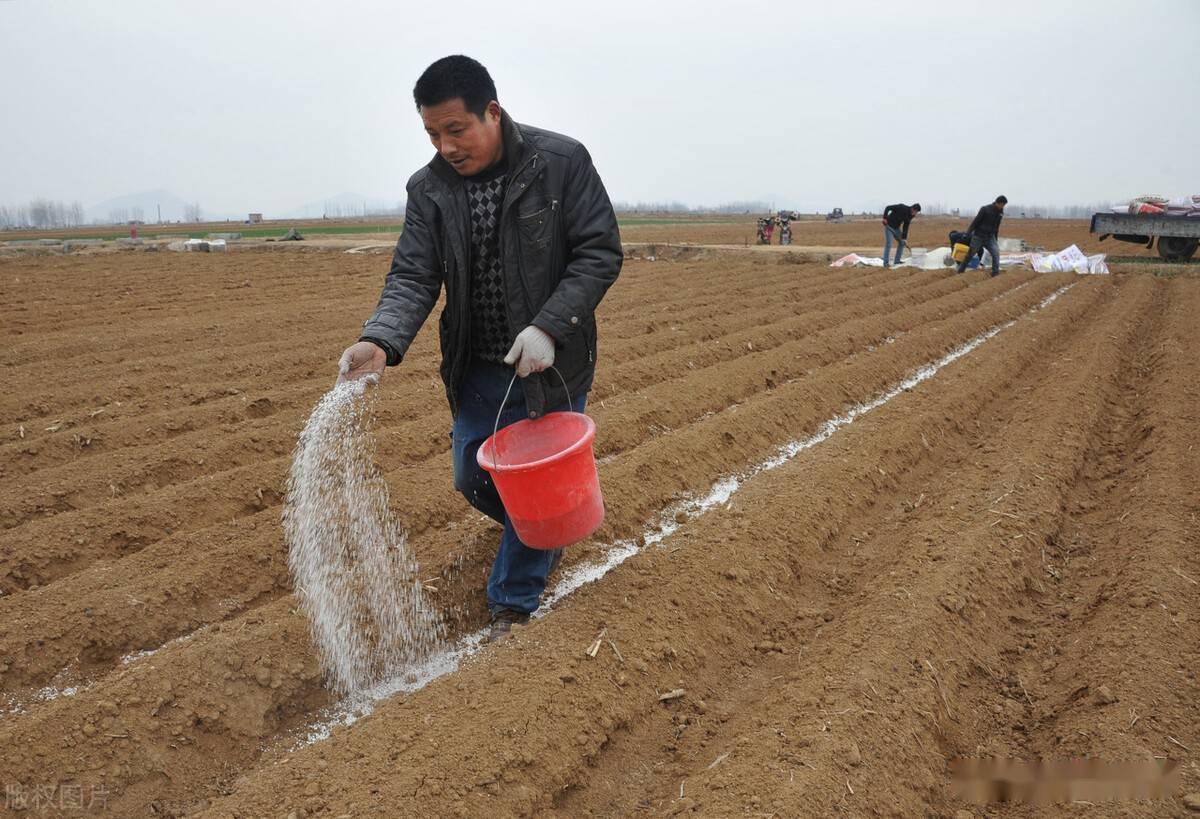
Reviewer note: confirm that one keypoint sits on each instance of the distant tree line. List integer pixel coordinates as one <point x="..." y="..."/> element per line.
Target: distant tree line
<point x="680" y="207"/>
<point x="1056" y="211"/>
<point x="136" y="214"/>
<point x="123" y="216"/>
<point x="1022" y="209"/>
<point x="342" y="210"/>
<point x="41" y="213"/>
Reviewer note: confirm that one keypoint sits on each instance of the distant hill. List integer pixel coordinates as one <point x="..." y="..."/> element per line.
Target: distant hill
<point x="147" y="204"/>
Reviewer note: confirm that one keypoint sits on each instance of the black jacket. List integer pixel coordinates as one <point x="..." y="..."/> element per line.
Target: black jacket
<point x="898" y="217"/>
<point x="987" y="222"/>
<point x="559" y="247"/>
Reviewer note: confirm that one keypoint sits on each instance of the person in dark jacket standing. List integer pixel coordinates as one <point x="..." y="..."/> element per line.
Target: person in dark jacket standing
<point x="896" y="219"/>
<point x="985" y="230"/>
<point x="515" y="224"/>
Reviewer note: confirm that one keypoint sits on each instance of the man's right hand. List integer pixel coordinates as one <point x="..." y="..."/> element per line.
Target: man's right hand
<point x="361" y="360"/>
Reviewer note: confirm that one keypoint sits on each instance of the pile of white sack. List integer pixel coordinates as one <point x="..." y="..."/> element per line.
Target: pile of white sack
<point x="198" y="246"/>
<point x="1151" y="205"/>
<point x="1066" y="261"/>
<point x="1072" y="259"/>
<point x="920" y="257"/>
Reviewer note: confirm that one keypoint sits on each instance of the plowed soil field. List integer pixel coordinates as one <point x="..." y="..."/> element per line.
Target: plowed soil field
<point x="860" y="523"/>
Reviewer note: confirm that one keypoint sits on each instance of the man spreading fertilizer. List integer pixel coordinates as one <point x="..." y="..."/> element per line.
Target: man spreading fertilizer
<point x="514" y="222"/>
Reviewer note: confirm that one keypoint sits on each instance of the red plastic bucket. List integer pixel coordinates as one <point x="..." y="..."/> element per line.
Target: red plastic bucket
<point x="546" y="475"/>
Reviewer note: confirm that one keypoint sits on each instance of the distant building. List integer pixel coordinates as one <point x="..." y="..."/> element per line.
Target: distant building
<point x="255" y="218"/>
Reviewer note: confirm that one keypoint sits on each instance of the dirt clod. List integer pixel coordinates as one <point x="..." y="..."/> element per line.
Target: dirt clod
<point x="684" y="805"/>
<point x="952" y="603"/>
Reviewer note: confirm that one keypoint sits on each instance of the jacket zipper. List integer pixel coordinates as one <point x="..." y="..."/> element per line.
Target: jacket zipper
<point x="531" y="164"/>
<point x="451" y="393"/>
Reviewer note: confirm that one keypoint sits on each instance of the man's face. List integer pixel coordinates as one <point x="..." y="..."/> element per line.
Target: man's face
<point x="1001" y="205"/>
<point x="471" y="145"/>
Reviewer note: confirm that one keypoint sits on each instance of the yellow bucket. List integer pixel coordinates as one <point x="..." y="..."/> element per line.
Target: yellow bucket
<point x="960" y="251"/>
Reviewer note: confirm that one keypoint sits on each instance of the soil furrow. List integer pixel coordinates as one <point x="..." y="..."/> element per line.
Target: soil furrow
<point x="87" y="434"/>
<point x="237" y="357"/>
<point x="430" y="511"/>
<point x="56" y="489"/>
<point x="870" y="666"/>
<point x="1107" y="650"/>
<point x="42" y="550"/>
<point x="204" y="660"/>
<point x="683" y="616"/>
<point x="306" y="298"/>
<point x="82" y="435"/>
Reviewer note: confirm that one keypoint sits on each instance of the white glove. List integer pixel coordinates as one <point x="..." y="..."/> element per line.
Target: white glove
<point x="532" y="352"/>
<point x="362" y="360"/>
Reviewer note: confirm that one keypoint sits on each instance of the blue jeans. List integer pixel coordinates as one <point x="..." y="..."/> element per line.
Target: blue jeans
<point x="888" y="235"/>
<point x="979" y="243"/>
<point x="519" y="573"/>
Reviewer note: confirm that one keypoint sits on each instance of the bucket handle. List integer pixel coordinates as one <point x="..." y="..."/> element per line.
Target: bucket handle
<point x="508" y="392"/>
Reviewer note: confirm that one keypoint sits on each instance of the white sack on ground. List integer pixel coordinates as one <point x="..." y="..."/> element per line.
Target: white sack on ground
<point x="934" y="259"/>
<point x="924" y="259"/>
<point x="854" y="260"/>
<point x="1070" y="260"/>
<point x="1096" y="265"/>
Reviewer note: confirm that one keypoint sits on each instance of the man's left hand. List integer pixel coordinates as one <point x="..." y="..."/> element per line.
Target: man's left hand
<point x="532" y="352"/>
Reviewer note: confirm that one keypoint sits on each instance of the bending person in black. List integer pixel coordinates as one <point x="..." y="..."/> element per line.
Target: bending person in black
<point x="985" y="230"/>
<point x="896" y="219"/>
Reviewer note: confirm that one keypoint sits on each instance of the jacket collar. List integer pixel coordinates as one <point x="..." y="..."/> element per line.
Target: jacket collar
<point x="515" y="152"/>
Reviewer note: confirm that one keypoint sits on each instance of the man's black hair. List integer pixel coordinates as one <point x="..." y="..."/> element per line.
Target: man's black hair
<point x="453" y="77"/>
<point x="916" y="206"/>
<point x="1001" y="200"/>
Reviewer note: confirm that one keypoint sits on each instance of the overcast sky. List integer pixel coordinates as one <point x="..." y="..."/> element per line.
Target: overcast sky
<point x="268" y="105"/>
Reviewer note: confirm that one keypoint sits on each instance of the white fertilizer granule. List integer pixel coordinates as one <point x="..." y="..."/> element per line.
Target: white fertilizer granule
<point x="353" y="572"/>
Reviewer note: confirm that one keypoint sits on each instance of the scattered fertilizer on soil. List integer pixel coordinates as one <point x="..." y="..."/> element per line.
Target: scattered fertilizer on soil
<point x="11" y="705"/>
<point x="447" y="660"/>
<point x="724" y="489"/>
<point x="353" y="571"/>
